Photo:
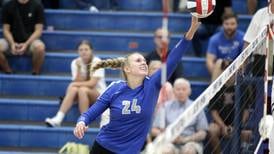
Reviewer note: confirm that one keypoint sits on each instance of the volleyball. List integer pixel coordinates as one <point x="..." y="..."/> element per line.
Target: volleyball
<point x="201" y="8"/>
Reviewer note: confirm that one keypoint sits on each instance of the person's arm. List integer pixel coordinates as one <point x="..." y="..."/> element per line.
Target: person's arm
<point x="38" y="29"/>
<point x="92" y="82"/>
<point x="102" y="103"/>
<point x="199" y="136"/>
<point x="216" y="117"/>
<point x="8" y="35"/>
<point x="176" y="53"/>
<point x="159" y="124"/>
<point x="210" y="62"/>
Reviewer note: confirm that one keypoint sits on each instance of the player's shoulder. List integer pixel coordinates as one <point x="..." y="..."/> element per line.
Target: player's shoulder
<point x="116" y="85"/>
<point x="216" y="37"/>
<point x="261" y="13"/>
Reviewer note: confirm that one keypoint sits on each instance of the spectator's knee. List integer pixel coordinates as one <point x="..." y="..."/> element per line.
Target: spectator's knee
<point x="38" y="47"/>
<point x="3" y="45"/>
<point x="83" y="90"/>
<point x="72" y="88"/>
<point x="214" y="130"/>
<point x="169" y="149"/>
<point x="188" y="150"/>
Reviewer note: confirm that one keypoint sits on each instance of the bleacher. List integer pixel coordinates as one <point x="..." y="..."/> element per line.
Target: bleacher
<point x="26" y="100"/>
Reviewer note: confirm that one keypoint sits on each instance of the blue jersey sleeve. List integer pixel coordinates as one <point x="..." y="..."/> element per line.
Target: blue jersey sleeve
<point x="172" y="60"/>
<point x="102" y="103"/>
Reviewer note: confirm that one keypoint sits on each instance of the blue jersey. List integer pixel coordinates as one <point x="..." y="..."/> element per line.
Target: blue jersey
<point x="131" y="110"/>
<point x="224" y="48"/>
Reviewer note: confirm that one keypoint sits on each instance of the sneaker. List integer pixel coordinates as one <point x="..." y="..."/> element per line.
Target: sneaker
<point x="51" y="122"/>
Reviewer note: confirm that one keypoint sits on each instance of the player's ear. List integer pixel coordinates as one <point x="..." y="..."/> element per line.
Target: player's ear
<point x="126" y="68"/>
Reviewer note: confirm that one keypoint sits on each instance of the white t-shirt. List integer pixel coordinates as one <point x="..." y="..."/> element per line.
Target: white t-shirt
<point x="261" y="18"/>
<point x="100" y="73"/>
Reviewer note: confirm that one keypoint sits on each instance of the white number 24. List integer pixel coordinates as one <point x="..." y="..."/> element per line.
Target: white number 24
<point x="131" y="107"/>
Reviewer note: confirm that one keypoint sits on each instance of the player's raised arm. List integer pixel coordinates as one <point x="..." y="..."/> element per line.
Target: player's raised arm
<point x="180" y="48"/>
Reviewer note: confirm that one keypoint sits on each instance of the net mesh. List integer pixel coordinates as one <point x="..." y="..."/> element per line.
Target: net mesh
<point x="244" y="79"/>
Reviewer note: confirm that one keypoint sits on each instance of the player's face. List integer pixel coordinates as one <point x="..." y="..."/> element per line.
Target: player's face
<point x="181" y="91"/>
<point x="230" y="26"/>
<point x="158" y="38"/>
<point x="85" y="52"/>
<point x="23" y="1"/>
<point x="137" y="65"/>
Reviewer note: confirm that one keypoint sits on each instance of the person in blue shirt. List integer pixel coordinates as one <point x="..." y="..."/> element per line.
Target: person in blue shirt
<point x="131" y="102"/>
<point x="224" y="46"/>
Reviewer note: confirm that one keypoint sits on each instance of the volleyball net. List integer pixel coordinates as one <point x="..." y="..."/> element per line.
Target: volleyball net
<point x="250" y="99"/>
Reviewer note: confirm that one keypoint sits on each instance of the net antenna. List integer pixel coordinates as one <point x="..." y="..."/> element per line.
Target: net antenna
<point x="164" y="41"/>
<point x="268" y="77"/>
<point x="183" y="120"/>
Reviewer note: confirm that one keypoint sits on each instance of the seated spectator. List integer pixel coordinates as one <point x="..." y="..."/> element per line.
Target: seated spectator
<point x="190" y="140"/>
<point x="210" y="25"/>
<point x="222" y="111"/>
<point x="224" y="46"/>
<point x="166" y="92"/>
<point x="157" y="55"/>
<point x="85" y="87"/>
<point x="22" y="27"/>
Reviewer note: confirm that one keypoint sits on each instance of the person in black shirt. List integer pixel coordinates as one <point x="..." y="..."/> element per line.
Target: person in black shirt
<point x="222" y="109"/>
<point x="210" y="25"/>
<point x="22" y="27"/>
<point x="157" y="54"/>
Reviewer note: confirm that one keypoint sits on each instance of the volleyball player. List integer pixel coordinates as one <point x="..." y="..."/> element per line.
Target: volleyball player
<point x="131" y="102"/>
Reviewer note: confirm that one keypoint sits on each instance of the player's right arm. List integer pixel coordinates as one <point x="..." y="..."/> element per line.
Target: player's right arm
<point x="176" y="53"/>
<point x="102" y="103"/>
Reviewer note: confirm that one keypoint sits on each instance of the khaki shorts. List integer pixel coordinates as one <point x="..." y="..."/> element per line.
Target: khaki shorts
<point x="6" y="48"/>
<point x="177" y="148"/>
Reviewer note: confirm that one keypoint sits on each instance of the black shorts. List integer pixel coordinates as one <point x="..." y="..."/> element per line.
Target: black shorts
<point x="258" y="66"/>
<point x="98" y="149"/>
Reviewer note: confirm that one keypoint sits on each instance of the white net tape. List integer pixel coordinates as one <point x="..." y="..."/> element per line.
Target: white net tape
<point x="174" y="129"/>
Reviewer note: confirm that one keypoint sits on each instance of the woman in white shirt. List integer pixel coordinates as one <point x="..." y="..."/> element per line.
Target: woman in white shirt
<point x="85" y="86"/>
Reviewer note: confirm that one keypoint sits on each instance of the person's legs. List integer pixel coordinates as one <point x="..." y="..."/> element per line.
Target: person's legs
<point x="3" y="60"/>
<point x="169" y="149"/>
<point x="86" y="96"/>
<point x="191" y="148"/>
<point x="71" y="95"/>
<point x="37" y="49"/>
<point x="214" y="131"/>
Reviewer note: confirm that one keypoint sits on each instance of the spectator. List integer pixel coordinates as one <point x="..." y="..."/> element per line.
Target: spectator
<point x="22" y="27"/>
<point x="86" y="86"/>
<point x="157" y="54"/>
<point x="190" y="140"/>
<point x="210" y="25"/>
<point x="252" y="5"/>
<point x="260" y="20"/>
<point x="224" y="46"/>
<point x="166" y="93"/>
<point x="222" y="111"/>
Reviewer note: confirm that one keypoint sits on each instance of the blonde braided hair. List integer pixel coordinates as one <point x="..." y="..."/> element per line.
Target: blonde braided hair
<point x="115" y="63"/>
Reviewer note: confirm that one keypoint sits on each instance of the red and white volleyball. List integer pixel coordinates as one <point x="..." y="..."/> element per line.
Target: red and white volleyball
<point x="201" y="8"/>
